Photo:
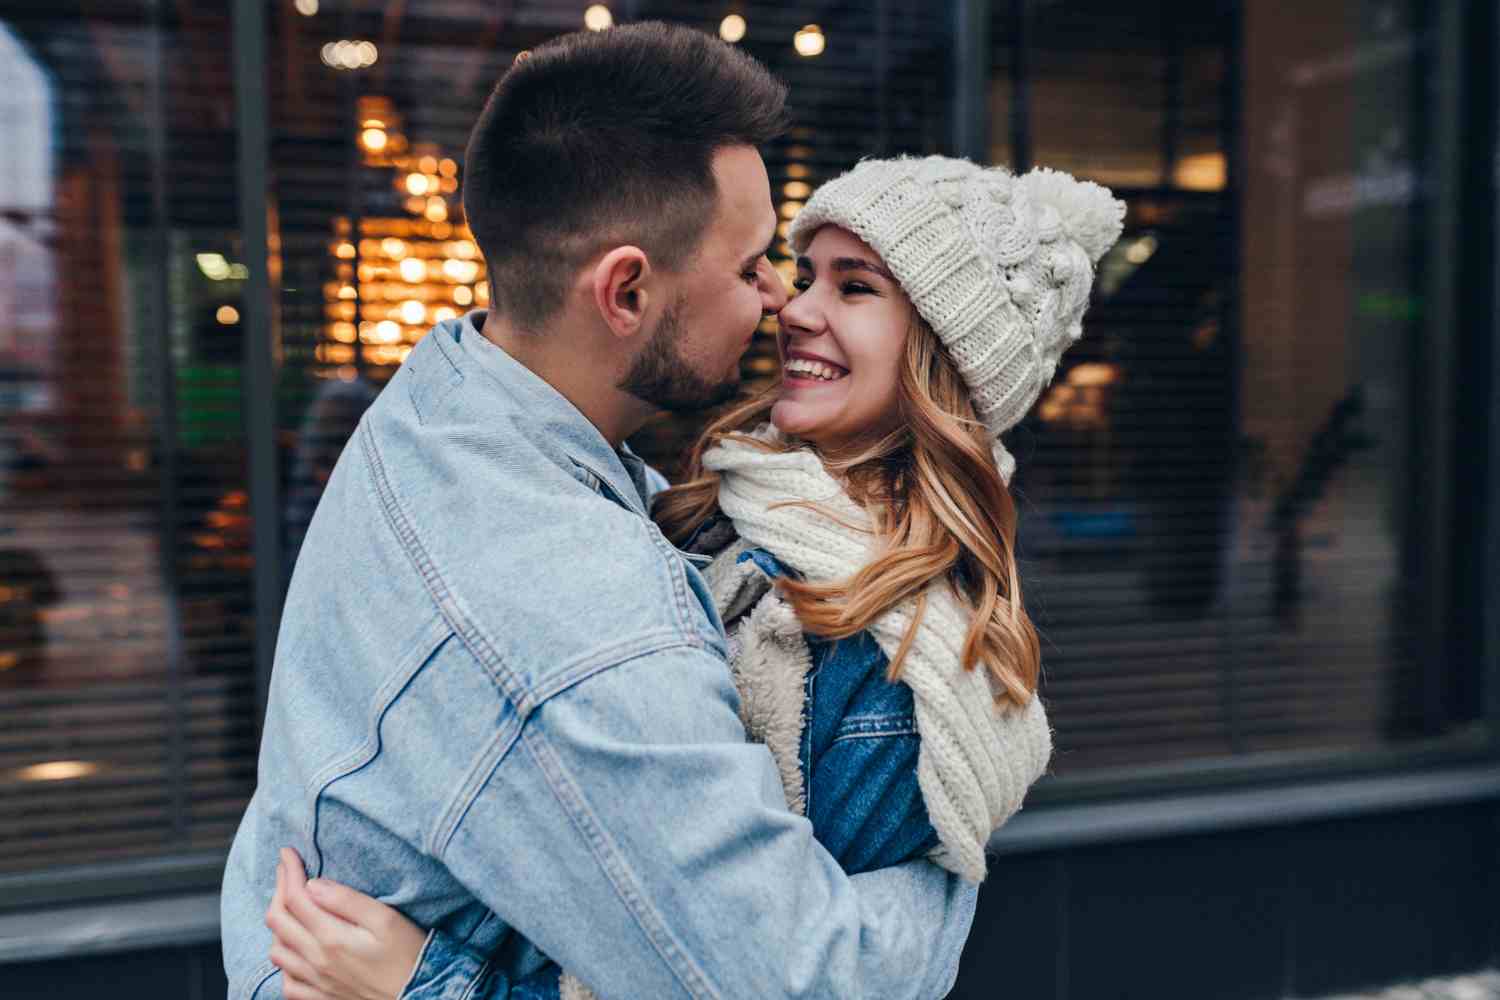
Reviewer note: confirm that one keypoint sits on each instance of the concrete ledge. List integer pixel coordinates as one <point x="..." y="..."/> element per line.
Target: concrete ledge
<point x="187" y="919"/>
<point x="1054" y="827"/>
<point x="104" y="928"/>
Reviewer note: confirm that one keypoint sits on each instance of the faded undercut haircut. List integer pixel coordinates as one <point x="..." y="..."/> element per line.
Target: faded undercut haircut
<point x="602" y="139"/>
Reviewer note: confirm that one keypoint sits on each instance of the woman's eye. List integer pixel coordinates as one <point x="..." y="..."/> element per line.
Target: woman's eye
<point x="802" y="284"/>
<point x="855" y="288"/>
<point x="750" y="277"/>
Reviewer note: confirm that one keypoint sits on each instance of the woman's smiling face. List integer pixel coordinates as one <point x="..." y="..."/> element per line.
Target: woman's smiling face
<point x="841" y="343"/>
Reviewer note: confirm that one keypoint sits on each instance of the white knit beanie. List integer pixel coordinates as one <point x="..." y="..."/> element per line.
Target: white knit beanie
<point x="999" y="266"/>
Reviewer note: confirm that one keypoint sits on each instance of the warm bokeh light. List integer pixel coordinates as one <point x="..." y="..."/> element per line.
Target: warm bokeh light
<point x="213" y="266"/>
<point x="1093" y="373"/>
<point x="307" y="8"/>
<point x="349" y="54"/>
<point x="413" y="312"/>
<point x="416" y="183"/>
<point x="373" y="139"/>
<point x="1141" y="250"/>
<point x="227" y="315"/>
<point x="598" y="18"/>
<point x="732" y="28"/>
<point x="57" y="770"/>
<point x="810" y="41"/>
<point x="1201" y="172"/>
<point x="412" y="270"/>
<point x="796" y="189"/>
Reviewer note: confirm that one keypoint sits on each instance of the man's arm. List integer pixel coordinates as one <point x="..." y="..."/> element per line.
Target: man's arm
<point x="633" y="835"/>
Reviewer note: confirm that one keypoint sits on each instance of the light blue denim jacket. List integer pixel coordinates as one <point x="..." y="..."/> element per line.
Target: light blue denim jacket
<point x="858" y="758"/>
<point x="501" y="704"/>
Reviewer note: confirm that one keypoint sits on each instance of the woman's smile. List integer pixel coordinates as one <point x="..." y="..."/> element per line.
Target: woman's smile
<point x="804" y="369"/>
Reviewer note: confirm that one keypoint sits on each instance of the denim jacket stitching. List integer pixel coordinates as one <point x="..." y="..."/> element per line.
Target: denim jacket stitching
<point x="882" y="724"/>
<point x="871" y="734"/>
<point x="604" y="657"/>
<point x="671" y="557"/>
<point x="496" y="749"/>
<point x="430" y="640"/>
<point x="809" y="687"/>
<point x="615" y="868"/>
<point x="500" y="745"/>
<point x="448" y="603"/>
<point x="474" y="983"/>
<point x="418" y="394"/>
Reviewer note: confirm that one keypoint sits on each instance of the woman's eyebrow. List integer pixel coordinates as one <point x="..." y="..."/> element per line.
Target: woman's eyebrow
<point x="860" y="264"/>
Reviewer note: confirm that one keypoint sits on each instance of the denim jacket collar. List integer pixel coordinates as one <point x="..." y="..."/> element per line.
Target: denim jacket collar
<point x="620" y="474"/>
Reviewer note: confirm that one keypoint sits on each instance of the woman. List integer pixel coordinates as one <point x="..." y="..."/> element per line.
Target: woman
<point x="863" y="538"/>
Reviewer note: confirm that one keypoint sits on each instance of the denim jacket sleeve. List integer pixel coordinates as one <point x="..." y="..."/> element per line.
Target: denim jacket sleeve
<point x="648" y="849"/>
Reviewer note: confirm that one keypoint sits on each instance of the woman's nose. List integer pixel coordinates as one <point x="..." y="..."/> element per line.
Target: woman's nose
<point x="800" y="317"/>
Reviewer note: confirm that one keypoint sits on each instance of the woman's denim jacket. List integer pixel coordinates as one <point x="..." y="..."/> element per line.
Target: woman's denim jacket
<point x="501" y="702"/>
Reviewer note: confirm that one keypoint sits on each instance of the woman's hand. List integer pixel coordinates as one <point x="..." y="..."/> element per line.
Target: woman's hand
<point x="334" y="943"/>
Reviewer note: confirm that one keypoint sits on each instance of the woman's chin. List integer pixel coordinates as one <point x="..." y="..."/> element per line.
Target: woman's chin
<point x="792" y="419"/>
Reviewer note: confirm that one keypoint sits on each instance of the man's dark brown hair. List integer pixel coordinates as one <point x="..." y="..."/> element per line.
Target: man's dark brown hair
<point x="602" y="139"/>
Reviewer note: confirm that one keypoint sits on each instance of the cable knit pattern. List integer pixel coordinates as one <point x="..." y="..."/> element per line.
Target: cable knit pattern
<point x="976" y="759"/>
<point x="999" y="266"/>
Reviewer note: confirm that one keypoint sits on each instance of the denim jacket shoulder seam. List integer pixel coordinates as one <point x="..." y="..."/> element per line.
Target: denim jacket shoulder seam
<point x="499" y="746"/>
<point x="604" y="657"/>
<point x="651" y="922"/>
<point x="448" y="603"/>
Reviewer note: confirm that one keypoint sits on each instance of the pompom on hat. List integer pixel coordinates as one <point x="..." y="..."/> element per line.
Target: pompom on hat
<point x="999" y="266"/>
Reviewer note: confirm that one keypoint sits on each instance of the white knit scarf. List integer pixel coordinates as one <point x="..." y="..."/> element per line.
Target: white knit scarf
<point x="976" y="760"/>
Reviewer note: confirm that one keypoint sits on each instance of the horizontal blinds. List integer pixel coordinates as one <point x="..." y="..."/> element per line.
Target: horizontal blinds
<point x="126" y="676"/>
<point x="1217" y="491"/>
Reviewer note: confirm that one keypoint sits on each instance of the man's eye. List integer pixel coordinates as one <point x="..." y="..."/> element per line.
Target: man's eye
<point x="802" y="284"/>
<point x="750" y="276"/>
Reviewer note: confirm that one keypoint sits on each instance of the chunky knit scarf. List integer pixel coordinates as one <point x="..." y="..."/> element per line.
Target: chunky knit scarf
<point x="976" y="759"/>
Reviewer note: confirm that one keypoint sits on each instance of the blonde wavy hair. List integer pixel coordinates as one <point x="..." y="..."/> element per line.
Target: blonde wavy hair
<point x="939" y="509"/>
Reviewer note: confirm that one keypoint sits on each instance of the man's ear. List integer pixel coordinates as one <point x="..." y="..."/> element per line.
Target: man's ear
<point x="619" y="287"/>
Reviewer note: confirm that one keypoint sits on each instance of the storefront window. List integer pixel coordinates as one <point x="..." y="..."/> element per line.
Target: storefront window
<point x="1233" y="497"/>
<point x="1225" y="529"/>
<point x="126" y="678"/>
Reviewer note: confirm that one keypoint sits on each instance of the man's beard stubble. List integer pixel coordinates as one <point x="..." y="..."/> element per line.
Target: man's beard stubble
<point x="662" y="377"/>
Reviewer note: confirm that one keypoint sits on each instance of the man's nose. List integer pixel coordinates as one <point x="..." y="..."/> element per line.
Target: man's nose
<point x="773" y="291"/>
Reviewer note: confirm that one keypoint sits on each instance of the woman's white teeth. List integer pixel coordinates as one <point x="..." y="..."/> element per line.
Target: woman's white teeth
<point x="816" y="369"/>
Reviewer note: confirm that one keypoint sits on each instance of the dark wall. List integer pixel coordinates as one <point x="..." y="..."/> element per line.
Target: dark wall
<point x="1259" y="915"/>
<point x="1262" y="914"/>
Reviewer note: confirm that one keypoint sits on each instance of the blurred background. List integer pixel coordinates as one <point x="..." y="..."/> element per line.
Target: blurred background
<point x="1256" y="503"/>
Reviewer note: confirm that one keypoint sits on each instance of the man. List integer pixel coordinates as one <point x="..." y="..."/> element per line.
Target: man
<point x="501" y="701"/>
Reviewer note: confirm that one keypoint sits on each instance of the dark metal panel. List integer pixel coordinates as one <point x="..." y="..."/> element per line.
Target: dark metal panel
<point x="250" y="99"/>
<point x="971" y="43"/>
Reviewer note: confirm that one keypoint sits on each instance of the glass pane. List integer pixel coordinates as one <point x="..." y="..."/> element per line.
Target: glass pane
<point x="126" y="679"/>
<point x="1222" y="530"/>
